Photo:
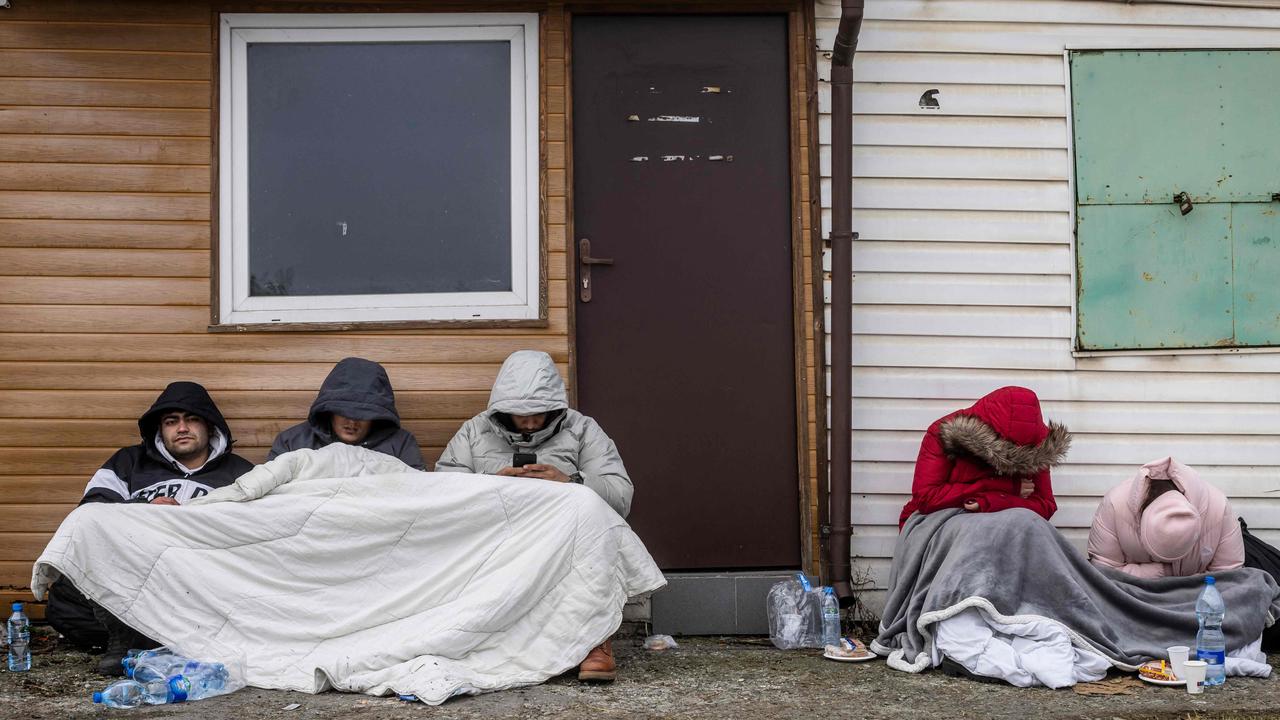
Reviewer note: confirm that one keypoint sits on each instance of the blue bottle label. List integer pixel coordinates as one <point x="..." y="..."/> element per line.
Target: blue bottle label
<point x="178" y="688"/>
<point x="1212" y="658"/>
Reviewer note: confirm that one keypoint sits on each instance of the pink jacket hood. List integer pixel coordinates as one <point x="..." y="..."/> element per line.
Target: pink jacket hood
<point x="1114" y="539"/>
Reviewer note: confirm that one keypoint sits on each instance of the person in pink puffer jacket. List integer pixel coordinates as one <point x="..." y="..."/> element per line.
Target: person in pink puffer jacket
<point x="1165" y="522"/>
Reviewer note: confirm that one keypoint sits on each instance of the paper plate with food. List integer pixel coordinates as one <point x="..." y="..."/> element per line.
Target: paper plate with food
<point x="1158" y="672"/>
<point x="848" y="650"/>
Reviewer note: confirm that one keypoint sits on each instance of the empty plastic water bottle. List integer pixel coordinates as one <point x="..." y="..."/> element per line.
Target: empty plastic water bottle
<point x="192" y="680"/>
<point x="18" y="633"/>
<point x="830" y="617"/>
<point x="804" y="582"/>
<point x="121" y="694"/>
<point x="161" y="666"/>
<point x="197" y="682"/>
<point x="134" y="657"/>
<point x="1211" y="644"/>
<point x="154" y="674"/>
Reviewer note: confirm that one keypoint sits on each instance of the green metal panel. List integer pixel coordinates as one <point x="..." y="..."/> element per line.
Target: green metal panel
<point x="1256" y="235"/>
<point x="1150" y="277"/>
<point x="1150" y="124"/>
<point x="1251" y="115"/>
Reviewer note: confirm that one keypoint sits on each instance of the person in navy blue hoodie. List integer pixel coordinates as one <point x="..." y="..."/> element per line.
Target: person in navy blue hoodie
<point x="356" y="406"/>
<point x="185" y="453"/>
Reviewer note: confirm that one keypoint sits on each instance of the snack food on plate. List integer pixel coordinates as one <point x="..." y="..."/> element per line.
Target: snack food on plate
<point x="1157" y="670"/>
<point x="848" y="648"/>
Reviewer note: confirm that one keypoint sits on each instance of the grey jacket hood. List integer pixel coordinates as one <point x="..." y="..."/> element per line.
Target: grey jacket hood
<point x="528" y="384"/>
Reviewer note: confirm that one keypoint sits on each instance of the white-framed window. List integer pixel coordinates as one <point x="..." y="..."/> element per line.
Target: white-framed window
<point x="378" y="168"/>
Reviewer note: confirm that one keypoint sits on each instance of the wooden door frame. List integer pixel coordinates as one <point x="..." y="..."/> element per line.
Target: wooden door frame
<point x="800" y="34"/>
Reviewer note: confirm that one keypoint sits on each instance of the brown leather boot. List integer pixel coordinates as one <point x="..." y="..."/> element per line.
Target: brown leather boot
<point x="599" y="665"/>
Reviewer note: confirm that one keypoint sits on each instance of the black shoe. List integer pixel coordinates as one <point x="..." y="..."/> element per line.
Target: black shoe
<point x="120" y="638"/>
<point x="951" y="668"/>
<point x="111" y="664"/>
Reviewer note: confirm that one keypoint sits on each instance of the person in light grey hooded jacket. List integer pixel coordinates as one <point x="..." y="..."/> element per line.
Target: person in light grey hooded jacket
<point x="356" y="406"/>
<point x="529" y="413"/>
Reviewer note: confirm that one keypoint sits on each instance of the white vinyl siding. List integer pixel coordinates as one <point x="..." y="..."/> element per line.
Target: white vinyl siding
<point x="964" y="270"/>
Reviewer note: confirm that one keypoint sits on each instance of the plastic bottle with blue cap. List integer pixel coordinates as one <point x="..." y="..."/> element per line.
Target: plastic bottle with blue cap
<point x="122" y="694"/>
<point x="18" y="635"/>
<point x="1211" y="643"/>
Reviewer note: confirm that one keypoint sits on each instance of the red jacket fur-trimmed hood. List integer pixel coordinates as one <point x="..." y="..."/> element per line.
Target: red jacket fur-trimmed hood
<point x="983" y="453"/>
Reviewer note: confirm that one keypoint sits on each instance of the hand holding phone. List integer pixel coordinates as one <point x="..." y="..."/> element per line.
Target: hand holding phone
<point x="520" y="459"/>
<point x="545" y="472"/>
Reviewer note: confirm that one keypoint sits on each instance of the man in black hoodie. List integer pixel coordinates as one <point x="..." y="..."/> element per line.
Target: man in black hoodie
<point x="355" y="406"/>
<point x="185" y="452"/>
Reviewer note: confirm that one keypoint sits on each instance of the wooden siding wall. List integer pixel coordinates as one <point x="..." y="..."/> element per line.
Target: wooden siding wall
<point x="105" y="178"/>
<point x="964" y="270"/>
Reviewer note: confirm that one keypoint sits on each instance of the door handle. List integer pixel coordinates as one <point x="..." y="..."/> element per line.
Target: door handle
<point x="584" y="257"/>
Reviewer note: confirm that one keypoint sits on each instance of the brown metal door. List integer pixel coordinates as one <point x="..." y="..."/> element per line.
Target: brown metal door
<point x="685" y="351"/>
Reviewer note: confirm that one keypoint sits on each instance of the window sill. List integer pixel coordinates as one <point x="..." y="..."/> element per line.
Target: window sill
<point x="540" y="323"/>
<point x="1175" y="351"/>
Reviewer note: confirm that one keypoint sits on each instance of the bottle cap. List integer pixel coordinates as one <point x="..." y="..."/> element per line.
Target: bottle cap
<point x="17" y="607"/>
<point x="828" y="590"/>
<point x="97" y="697"/>
<point x="1208" y="580"/>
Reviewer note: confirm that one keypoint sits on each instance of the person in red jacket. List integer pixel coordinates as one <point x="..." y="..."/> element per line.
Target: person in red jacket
<point x="989" y="457"/>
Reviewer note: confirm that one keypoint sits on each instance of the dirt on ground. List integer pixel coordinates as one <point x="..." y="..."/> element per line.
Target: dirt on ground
<point x="702" y="678"/>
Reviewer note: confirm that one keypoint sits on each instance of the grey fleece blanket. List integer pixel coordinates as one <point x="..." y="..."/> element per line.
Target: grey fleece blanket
<point x="1013" y="563"/>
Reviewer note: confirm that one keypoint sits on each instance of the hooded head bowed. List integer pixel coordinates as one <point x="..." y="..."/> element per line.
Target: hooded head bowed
<point x="1170" y="527"/>
<point x="358" y="389"/>
<point x="528" y="384"/>
<point x="1006" y="430"/>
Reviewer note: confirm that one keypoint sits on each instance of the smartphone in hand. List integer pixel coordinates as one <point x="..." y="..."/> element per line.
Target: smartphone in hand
<point x="521" y="459"/>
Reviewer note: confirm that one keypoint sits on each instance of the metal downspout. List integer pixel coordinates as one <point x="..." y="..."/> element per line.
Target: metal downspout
<point x="842" y="237"/>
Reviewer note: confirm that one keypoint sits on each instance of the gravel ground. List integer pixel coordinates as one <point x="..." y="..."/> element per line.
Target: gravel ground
<point x="703" y="678"/>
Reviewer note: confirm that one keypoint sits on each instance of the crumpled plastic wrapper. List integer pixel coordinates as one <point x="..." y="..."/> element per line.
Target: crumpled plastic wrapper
<point x="660" y="642"/>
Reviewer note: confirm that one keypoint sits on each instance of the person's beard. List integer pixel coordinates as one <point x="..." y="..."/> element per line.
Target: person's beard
<point x="183" y="456"/>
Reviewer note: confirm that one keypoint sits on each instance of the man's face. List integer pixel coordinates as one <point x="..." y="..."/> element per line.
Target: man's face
<point x="529" y="423"/>
<point x="185" y="436"/>
<point x="350" y="430"/>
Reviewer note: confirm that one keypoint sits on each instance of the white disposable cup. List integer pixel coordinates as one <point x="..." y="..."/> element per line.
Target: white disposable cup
<point x="1195" y="670"/>
<point x="1178" y="656"/>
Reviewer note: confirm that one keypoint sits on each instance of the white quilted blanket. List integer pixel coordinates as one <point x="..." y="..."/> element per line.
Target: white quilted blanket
<point x="344" y="568"/>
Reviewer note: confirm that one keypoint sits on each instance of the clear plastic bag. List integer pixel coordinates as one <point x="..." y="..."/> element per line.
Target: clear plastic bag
<point x="660" y="642"/>
<point x="795" y="616"/>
